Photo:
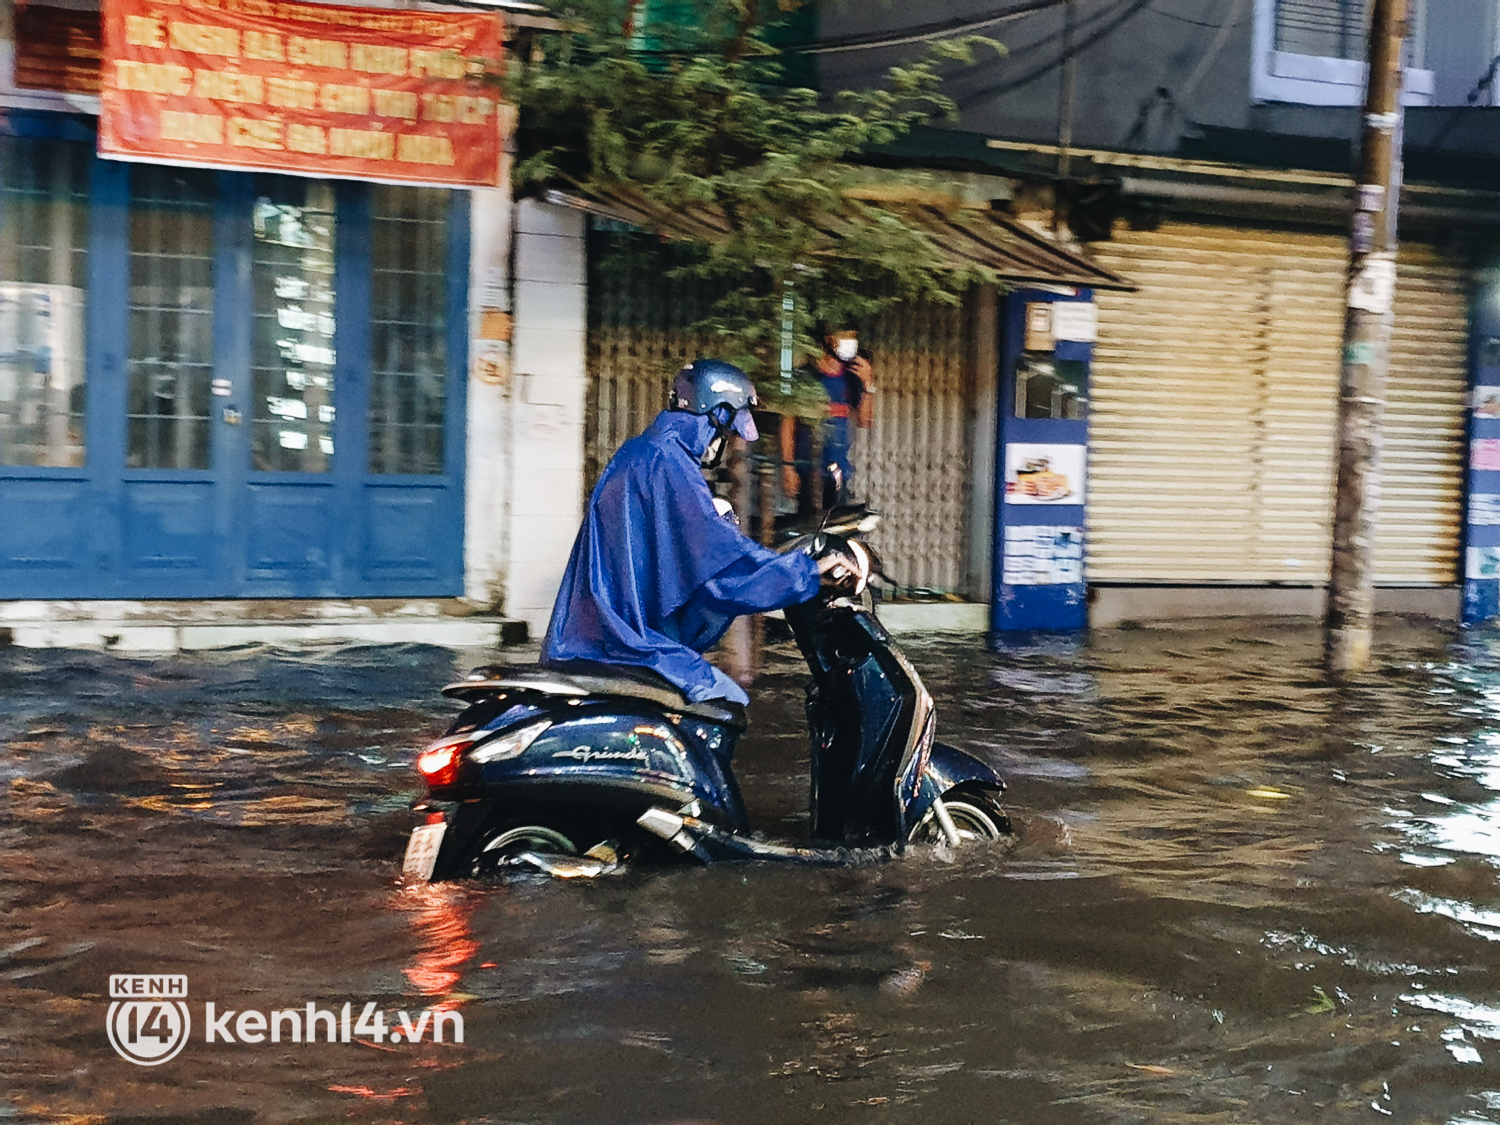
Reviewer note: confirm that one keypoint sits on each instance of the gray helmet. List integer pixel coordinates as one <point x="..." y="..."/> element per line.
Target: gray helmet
<point x="721" y="392"/>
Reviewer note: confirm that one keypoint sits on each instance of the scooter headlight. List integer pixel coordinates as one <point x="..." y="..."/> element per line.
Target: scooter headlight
<point x="862" y="558"/>
<point x="510" y="745"/>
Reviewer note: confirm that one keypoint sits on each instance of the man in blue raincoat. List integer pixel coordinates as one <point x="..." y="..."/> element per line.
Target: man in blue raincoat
<point x="657" y="575"/>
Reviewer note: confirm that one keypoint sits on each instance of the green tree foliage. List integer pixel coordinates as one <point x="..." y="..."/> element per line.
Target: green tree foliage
<point x="686" y="105"/>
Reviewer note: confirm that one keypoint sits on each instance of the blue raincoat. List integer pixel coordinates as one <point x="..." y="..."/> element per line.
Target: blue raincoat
<point x="657" y="575"/>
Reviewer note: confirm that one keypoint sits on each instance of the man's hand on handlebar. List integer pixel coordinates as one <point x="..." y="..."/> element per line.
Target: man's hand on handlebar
<point x="845" y="566"/>
<point x="833" y="559"/>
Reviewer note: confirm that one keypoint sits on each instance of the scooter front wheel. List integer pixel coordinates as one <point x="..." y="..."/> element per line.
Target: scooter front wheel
<point x="974" y="819"/>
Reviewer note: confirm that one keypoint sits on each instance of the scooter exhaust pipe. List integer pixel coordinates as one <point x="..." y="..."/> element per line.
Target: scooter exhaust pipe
<point x="674" y="830"/>
<point x="710" y="844"/>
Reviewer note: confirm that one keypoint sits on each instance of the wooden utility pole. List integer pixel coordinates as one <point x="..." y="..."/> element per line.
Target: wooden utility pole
<point x="1366" y="355"/>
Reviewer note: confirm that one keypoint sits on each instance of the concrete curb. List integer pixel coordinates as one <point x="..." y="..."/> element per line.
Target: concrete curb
<point x="166" y="627"/>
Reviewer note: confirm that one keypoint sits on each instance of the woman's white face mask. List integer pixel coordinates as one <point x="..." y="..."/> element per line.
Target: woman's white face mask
<point x="846" y="349"/>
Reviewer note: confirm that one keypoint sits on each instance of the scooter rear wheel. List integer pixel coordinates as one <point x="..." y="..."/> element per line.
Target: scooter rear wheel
<point x="494" y="858"/>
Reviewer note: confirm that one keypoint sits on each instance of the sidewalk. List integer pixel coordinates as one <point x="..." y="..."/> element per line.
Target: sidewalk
<point x="179" y="626"/>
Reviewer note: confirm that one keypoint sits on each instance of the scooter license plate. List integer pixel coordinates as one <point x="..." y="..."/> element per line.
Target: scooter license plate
<point x="422" y="851"/>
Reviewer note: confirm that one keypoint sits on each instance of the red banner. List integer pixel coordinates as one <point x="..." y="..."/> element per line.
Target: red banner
<point x="359" y="93"/>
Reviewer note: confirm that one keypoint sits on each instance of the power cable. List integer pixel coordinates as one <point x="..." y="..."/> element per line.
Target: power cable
<point x="1486" y="82"/>
<point x="923" y="33"/>
<point x="1184" y="19"/>
<point x="918" y="33"/>
<point x="1026" y="50"/>
<point x="1132" y="8"/>
<point x="1210" y="56"/>
<point x="1015" y="51"/>
<point x="1161" y="96"/>
<point x="1164" y="96"/>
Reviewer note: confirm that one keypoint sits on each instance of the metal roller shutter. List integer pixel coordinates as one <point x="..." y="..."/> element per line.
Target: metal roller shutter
<point x="1213" y="407"/>
<point x="1421" y="503"/>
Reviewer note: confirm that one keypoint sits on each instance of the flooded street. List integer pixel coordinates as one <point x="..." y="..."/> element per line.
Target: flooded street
<point x="1240" y="896"/>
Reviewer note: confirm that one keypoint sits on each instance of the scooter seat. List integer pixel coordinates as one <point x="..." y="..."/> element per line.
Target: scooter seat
<point x="579" y="678"/>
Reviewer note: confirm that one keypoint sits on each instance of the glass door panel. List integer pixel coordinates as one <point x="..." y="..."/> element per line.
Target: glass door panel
<point x="43" y="254"/>
<point x="171" y="317"/>
<point x="408" y="328"/>
<point x="292" y="358"/>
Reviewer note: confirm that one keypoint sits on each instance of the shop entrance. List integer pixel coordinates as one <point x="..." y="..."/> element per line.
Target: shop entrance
<point x="220" y="384"/>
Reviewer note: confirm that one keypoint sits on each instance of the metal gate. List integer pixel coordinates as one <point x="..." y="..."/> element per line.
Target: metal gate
<point x="912" y="464"/>
<point x="639" y="336"/>
<point x="915" y="457"/>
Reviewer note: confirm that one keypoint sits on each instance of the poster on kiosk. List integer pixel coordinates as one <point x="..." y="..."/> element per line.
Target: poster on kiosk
<point x="1046" y="351"/>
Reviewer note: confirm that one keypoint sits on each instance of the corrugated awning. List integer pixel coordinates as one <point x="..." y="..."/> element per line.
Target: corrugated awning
<point x="967" y="237"/>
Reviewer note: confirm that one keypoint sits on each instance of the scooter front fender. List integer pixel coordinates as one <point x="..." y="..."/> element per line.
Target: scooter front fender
<point x="948" y="768"/>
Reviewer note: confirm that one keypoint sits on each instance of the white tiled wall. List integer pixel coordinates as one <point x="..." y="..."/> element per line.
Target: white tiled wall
<point x="525" y="487"/>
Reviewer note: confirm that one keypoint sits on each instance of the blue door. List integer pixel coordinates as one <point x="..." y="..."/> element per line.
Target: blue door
<point x="222" y="384"/>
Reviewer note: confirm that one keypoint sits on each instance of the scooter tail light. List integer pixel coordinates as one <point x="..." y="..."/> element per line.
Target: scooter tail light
<point x="438" y="764"/>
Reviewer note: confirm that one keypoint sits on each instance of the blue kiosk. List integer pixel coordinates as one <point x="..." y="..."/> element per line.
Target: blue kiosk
<point x="1042" y="461"/>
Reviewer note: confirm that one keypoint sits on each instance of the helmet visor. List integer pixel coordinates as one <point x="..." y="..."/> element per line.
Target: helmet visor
<point x="744" y="424"/>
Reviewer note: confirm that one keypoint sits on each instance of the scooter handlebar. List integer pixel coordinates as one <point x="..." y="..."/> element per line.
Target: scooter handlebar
<point x="852" y="562"/>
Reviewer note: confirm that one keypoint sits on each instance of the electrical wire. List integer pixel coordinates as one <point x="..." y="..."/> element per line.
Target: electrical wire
<point x="924" y="33"/>
<point x="1184" y="19"/>
<point x="1164" y="96"/>
<point x="1131" y="8"/>
<point x="1210" y="56"/>
<point x="1015" y="51"/>
<point x="918" y="33"/>
<point x="1454" y="116"/>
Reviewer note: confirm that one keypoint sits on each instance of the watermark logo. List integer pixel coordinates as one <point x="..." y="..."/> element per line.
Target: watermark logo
<point x="148" y="1021"/>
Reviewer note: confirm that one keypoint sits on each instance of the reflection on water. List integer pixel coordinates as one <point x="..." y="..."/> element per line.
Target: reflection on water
<point x="1239" y="896"/>
<point x="440" y="915"/>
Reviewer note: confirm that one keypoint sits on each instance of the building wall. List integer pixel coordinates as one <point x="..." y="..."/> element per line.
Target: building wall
<point x="1458" y="42"/>
<point x="487" y="448"/>
<point x="544" y="430"/>
<point x="1146" y="73"/>
<point x="482" y="222"/>
<point x="1142" y="71"/>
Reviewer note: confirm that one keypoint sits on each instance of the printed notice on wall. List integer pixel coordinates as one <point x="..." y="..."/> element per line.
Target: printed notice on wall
<point x="1044" y="474"/>
<point x="387" y="94"/>
<point x="1482" y="563"/>
<point x="1075" y="320"/>
<point x="1042" y="556"/>
<point x="1484" y="454"/>
<point x="1484" y="509"/>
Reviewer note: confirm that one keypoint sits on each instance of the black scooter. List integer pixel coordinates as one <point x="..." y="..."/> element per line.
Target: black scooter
<point x="576" y="772"/>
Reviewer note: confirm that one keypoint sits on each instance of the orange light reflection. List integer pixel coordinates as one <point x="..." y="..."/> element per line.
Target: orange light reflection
<point x="441" y="917"/>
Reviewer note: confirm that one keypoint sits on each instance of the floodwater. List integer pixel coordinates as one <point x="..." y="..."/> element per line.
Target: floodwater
<point x="1239" y="896"/>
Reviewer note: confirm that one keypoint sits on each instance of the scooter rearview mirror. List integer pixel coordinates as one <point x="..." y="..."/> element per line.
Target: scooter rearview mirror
<point x="838" y="487"/>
